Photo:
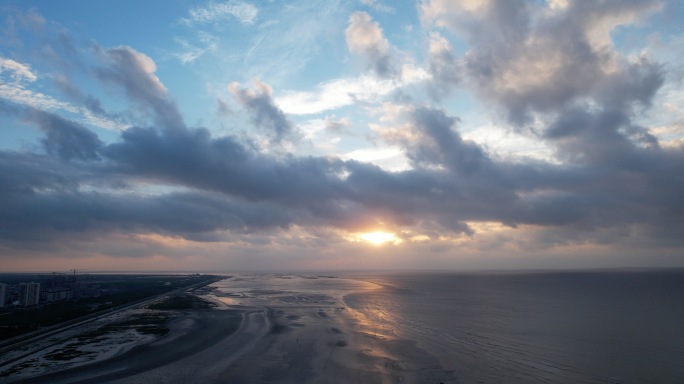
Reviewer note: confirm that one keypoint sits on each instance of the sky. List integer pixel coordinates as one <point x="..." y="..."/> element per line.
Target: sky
<point x="341" y="134"/>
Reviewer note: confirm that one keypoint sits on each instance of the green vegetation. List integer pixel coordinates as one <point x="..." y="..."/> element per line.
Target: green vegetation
<point x="152" y="323"/>
<point x="18" y="368"/>
<point x="182" y="302"/>
<point x="149" y="324"/>
<point x="68" y="354"/>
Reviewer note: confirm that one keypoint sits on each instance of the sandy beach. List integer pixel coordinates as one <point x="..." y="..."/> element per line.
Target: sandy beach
<point x="291" y="330"/>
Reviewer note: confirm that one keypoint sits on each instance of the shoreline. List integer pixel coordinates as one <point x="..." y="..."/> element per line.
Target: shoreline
<point x="11" y="344"/>
<point x="285" y="329"/>
<point x="207" y="329"/>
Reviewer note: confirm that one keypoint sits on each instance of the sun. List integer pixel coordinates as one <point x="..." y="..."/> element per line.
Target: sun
<point x="379" y="237"/>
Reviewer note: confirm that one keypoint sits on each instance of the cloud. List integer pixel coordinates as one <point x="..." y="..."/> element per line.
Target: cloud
<point x="231" y="187"/>
<point x="529" y="58"/>
<point x="338" y="126"/>
<point x="228" y="187"/>
<point x="18" y="72"/>
<point x="444" y="68"/>
<point x="571" y="195"/>
<point x="264" y="113"/>
<point x="288" y="41"/>
<point x="374" y="155"/>
<point x="376" y="5"/>
<point x="32" y="19"/>
<point x="555" y="69"/>
<point x="335" y="94"/>
<point x="135" y="73"/>
<point x="191" y="52"/>
<point x="64" y="138"/>
<point x="342" y="92"/>
<point x="222" y="107"/>
<point x="14" y="87"/>
<point x="213" y="12"/>
<point x="193" y="158"/>
<point x="551" y="68"/>
<point x="439" y="145"/>
<point x="67" y="214"/>
<point x="365" y="37"/>
<point x="92" y="104"/>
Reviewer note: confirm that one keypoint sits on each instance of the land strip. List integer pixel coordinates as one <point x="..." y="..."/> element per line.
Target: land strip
<point x="34" y="337"/>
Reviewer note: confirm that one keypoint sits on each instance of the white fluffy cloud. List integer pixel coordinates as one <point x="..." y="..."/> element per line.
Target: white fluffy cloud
<point x="342" y="92"/>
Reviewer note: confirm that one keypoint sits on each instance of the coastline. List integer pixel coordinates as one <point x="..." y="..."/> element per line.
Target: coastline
<point x="267" y="328"/>
<point x="191" y="333"/>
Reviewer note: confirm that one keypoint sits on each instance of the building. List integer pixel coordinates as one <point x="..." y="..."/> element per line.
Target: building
<point x="3" y="294"/>
<point x="58" y="294"/>
<point x="29" y="294"/>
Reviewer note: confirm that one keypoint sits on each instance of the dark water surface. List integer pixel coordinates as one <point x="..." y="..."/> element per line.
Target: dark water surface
<point x="570" y="327"/>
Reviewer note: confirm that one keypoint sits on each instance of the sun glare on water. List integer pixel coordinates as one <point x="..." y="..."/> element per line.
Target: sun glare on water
<point x="379" y="237"/>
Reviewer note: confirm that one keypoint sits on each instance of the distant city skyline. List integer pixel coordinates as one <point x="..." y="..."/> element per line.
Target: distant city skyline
<point x="335" y="134"/>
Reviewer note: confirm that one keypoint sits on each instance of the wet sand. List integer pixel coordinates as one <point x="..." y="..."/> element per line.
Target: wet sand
<point x="316" y="338"/>
<point x="313" y="344"/>
<point x="270" y="336"/>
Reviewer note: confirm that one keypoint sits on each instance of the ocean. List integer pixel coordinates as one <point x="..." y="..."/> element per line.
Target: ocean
<point x="541" y="327"/>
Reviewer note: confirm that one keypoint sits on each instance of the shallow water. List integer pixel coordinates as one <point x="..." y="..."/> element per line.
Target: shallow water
<point x="278" y="289"/>
<point x="590" y="327"/>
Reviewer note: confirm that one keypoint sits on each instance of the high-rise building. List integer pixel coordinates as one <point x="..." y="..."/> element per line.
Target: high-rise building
<point x="3" y="294"/>
<point x="29" y="294"/>
<point x="57" y="294"/>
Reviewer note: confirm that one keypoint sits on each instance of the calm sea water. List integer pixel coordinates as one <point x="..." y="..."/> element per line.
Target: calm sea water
<point x="583" y="327"/>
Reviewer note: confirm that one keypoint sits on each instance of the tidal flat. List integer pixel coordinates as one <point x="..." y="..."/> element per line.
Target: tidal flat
<point x="246" y="329"/>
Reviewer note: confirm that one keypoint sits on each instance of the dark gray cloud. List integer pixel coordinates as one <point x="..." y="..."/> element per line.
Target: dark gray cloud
<point x="263" y="111"/>
<point x="65" y="138"/>
<point x="608" y="181"/>
<point x="44" y="217"/>
<point x="193" y="158"/>
<point x="26" y="173"/>
<point x="231" y="187"/>
<point x="439" y="144"/>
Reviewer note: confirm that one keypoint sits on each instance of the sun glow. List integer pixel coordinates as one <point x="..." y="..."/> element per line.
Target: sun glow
<point x="379" y="237"/>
